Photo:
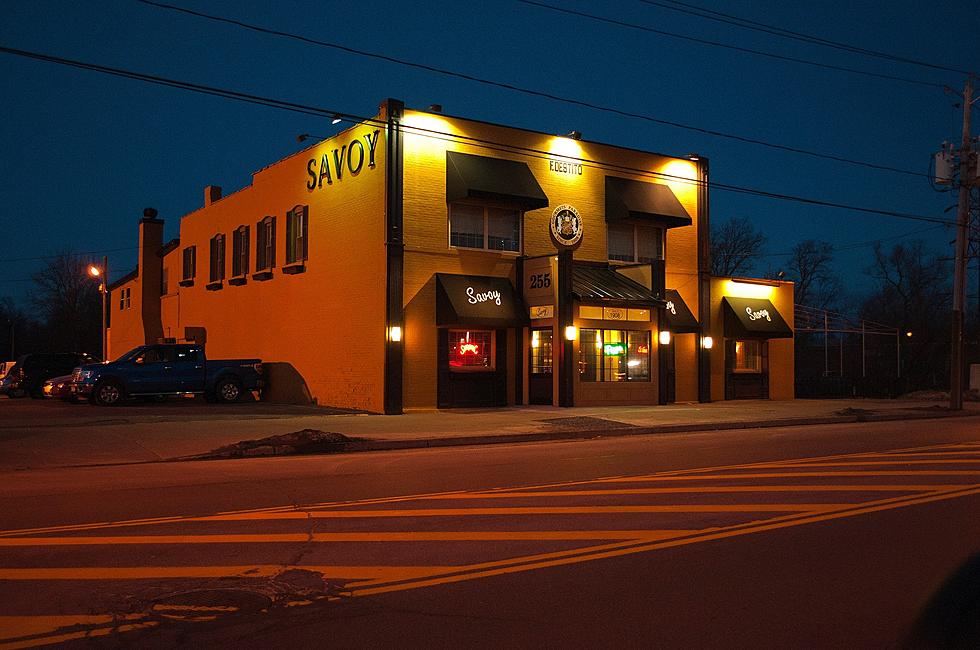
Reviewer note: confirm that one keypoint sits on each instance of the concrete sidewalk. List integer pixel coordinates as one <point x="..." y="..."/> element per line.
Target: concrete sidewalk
<point x="146" y="439"/>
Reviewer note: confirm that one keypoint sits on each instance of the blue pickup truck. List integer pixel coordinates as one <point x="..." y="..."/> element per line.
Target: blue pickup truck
<point x="167" y="370"/>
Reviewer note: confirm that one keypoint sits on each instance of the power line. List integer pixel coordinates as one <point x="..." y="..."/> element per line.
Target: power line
<point x="728" y="46"/>
<point x="321" y="112"/>
<point x="83" y="253"/>
<point x="531" y="92"/>
<point x="745" y="23"/>
<point x="870" y="242"/>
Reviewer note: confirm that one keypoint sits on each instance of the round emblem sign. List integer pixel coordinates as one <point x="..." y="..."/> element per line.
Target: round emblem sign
<point x="566" y="225"/>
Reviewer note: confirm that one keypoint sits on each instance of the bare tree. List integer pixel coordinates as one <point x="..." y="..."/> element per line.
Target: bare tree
<point x="735" y="245"/>
<point x="68" y="300"/>
<point x="913" y="293"/>
<point x="809" y="267"/>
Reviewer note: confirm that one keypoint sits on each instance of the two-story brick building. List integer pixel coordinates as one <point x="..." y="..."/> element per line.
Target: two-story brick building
<point x="419" y="260"/>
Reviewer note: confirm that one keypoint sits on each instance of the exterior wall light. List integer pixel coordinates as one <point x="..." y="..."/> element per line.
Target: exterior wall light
<point x="707" y="342"/>
<point x="571" y="333"/>
<point x="909" y="334"/>
<point x="395" y="333"/>
<point x="664" y="337"/>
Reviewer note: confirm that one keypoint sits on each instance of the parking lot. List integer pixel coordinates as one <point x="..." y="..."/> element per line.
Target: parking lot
<point x="30" y="413"/>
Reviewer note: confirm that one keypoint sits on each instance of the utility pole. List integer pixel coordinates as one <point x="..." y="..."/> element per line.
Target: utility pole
<point x="959" y="268"/>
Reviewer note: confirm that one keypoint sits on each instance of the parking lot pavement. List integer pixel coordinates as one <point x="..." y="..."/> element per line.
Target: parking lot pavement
<point x="27" y="412"/>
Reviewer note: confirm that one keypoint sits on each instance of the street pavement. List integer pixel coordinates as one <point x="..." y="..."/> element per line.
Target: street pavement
<point x="558" y="563"/>
<point x="37" y="434"/>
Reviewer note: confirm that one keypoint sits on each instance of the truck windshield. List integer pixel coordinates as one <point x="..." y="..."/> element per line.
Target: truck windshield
<point x="131" y="354"/>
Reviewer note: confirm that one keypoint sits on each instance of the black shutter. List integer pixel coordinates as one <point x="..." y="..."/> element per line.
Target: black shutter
<point x="272" y="244"/>
<point x="245" y="251"/>
<point x="260" y="261"/>
<point x="290" y="237"/>
<point x="306" y="232"/>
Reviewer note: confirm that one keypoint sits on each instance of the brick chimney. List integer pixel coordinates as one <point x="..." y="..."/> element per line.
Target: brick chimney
<point x="150" y="274"/>
<point x="212" y="193"/>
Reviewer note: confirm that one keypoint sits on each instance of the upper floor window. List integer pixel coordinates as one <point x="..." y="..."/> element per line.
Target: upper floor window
<point x="630" y="242"/>
<point x="484" y="227"/>
<point x="239" y="257"/>
<point x="297" y="235"/>
<point x="189" y="266"/>
<point x="265" y="244"/>
<point x="125" y="296"/>
<point x="217" y="273"/>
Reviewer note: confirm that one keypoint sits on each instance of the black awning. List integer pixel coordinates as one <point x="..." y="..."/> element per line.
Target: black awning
<point x="479" y="177"/>
<point x="598" y="284"/>
<point x="477" y="300"/>
<point x="754" y="318"/>
<point x="680" y="320"/>
<point x="626" y="198"/>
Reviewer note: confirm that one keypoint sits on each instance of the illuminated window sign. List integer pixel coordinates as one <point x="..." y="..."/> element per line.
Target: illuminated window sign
<point x="614" y="349"/>
<point x="470" y="350"/>
<point x="614" y="355"/>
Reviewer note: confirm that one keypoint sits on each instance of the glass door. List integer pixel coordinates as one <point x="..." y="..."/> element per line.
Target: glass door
<point x="541" y="375"/>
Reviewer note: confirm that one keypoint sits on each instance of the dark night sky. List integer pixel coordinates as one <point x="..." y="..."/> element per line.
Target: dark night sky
<point x="83" y="153"/>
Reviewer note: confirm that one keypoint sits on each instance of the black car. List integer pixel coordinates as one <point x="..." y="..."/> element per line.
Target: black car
<point x="31" y="370"/>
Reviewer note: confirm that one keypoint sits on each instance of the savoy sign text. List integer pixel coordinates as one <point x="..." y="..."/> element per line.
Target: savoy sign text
<point x="350" y="157"/>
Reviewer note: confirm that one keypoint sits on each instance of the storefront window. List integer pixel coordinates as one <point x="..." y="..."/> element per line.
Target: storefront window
<point x="635" y="243"/>
<point x="748" y="356"/>
<point x="483" y="227"/>
<point x="470" y="350"/>
<point x="614" y="355"/>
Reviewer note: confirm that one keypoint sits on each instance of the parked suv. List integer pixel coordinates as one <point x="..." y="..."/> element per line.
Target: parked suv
<point x="31" y="370"/>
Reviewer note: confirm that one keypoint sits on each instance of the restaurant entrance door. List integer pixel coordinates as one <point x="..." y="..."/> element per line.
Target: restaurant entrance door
<point x="541" y="368"/>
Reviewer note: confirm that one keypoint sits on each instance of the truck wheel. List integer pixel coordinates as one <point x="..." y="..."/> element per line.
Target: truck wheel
<point x="107" y="393"/>
<point x="228" y="390"/>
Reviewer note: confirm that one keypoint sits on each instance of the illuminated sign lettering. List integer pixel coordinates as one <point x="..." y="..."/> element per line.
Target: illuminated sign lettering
<point x="670" y="307"/>
<point x="758" y="315"/>
<point x="560" y="167"/>
<point x="350" y="157"/>
<point x="475" y="296"/>
<point x="469" y="348"/>
<point x="614" y="349"/>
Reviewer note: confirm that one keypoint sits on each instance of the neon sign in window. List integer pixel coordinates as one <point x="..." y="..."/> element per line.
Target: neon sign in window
<point x="470" y="350"/>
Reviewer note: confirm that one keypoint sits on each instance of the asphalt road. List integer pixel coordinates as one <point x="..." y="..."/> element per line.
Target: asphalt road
<point x="830" y="536"/>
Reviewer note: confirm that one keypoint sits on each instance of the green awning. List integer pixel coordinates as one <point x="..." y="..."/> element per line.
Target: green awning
<point x="601" y="284"/>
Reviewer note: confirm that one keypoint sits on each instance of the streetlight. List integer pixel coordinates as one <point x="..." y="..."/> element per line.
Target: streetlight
<point x="102" y="273"/>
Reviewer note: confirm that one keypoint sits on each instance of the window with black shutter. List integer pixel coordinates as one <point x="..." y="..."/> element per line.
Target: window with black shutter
<point x="217" y="262"/>
<point x="265" y="248"/>
<point x="239" y="258"/>
<point x="189" y="266"/>
<point x="297" y="239"/>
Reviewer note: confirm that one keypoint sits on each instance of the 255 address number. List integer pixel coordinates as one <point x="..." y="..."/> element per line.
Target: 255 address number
<point x="540" y="280"/>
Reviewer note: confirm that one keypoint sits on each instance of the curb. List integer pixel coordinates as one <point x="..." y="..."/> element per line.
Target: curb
<point x="358" y="445"/>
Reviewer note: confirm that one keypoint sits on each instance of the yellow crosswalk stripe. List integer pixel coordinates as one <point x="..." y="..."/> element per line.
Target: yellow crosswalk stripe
<point x="369" y="536"/>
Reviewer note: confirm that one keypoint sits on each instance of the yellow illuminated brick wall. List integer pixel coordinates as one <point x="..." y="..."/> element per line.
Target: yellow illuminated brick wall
<point x="427" y="249"/>
<point x="321" y="332"/>
<point x="126" y="325"/>
<point x="781" y="353"/>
